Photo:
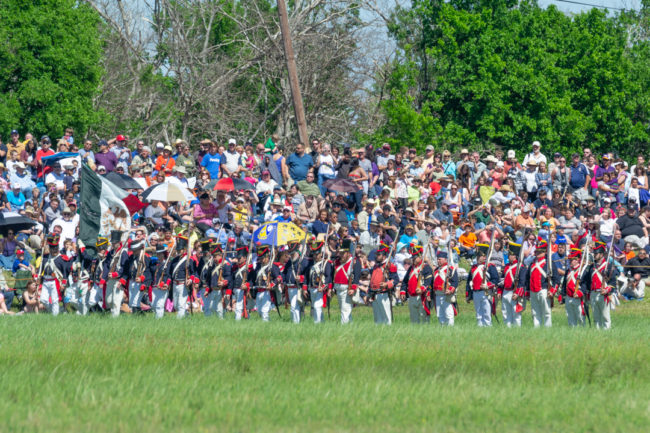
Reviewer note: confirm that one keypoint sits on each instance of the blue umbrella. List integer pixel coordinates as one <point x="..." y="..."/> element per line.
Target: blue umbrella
<point x="277" y="233"/>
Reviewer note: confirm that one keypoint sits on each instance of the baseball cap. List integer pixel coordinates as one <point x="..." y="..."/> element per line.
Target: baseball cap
<point x="120" y="137"/>
<point x="14" y="132"/>
<point x="266" y="172"/>
<point x="100" y="167"/>
<point x="537" y="143"/>
<point x="232" y="141"/>
<point x="102" y="143"/>
<point x="511" y="154"/>
<point x="15" y="185"/>
<point x="159" y="145"/>
<point x="19" y="252"/>
<point x="428" y="148"/>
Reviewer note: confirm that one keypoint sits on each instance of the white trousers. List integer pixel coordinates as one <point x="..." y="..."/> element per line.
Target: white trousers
<point x="50" y="297"/>
<point x="114" y="296"/>
<point x="316" y="305"/>
<point x="158" y="302"/>
<point x="180" y="299"/>
<point x="416" y="310"/>
<point x="539" y="305"/>
<point x="71" y="294"/>
<point x="444" y="310"/>
<point x="345" y="302"/>
<point x="212" y="303"/>
<point x="238" y="295"/>
<point x="381" y="309"/>
<point x="263" y="304"/>
<point x="574" y="311"/>
<point x="600" y="311"/>
<point x="508" y="310"/>
<point x="95" y="296"/>
<point x="297" y="309"/>
<point x="135" y="295"/>
<point x="83" y="291"/>
<point x="483" y="308"/>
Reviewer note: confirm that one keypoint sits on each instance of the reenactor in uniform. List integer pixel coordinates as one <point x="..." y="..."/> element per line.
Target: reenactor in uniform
<point x="53" y="274"/>
<point x="416" y="285"/>
<point x="159" y="289"/>
<point x="136" y="265"/>
<point x="239" y="282"/>
<point x="81" y="273"/>
<point x="294" y="278"/>
<point x="599" y="280"/>
<point x="117" y="273"/>
<point x="181" y="273"/>
<point x="278" y="289"/>
<point x="319" y="279"/>
<point x="445" y="284"/>
<point x="218" y="273"/>
<point x="347" y="271"/>
<point x="262" y="284"/>
<point x="479" y="288"/>
<point x="95" y="297"/>
<point x="511" y="292"/>
<point x="573" y="296"/>
<point x="538" y="287"/>
<point x="383" y="279"/>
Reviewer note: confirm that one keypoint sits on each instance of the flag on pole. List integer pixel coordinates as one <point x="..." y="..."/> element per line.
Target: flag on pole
<point x="102" y="209"/>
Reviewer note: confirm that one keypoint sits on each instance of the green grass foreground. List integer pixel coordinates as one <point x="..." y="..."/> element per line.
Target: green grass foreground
<point x="135" y="374"/>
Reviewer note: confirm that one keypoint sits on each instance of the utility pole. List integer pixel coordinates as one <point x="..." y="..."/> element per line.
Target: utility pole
<point x="298" y="108"/>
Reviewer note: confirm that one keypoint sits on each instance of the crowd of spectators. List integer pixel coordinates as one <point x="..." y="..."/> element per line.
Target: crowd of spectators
<point x="450" y="199"/>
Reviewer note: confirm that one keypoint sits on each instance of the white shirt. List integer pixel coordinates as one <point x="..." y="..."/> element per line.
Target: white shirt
<point x="68" y="228"/>
<point x="232" y="161"/>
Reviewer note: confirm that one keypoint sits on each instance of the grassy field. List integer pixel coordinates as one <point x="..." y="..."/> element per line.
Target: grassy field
<point x="97" y="374"/>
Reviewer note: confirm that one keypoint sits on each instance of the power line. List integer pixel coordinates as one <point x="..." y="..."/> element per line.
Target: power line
<point x="589" y="4"/>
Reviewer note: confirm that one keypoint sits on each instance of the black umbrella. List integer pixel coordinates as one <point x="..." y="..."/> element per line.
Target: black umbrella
<point x="123" y="181"/>
<point x="341" y="185"/>
<point x="15" y="222"/>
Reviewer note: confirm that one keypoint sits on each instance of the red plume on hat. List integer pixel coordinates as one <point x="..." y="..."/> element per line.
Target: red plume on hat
<point x="383" y="248"/>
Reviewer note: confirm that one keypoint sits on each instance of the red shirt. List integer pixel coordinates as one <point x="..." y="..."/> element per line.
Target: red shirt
<point x="40" y="154"/>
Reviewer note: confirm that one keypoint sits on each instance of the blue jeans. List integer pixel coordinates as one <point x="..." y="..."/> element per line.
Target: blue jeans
<point x="322" y="178"/>
<point x="9" y="297"/>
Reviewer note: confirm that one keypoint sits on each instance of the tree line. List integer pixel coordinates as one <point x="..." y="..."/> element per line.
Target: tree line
<point x="460" y="73"/>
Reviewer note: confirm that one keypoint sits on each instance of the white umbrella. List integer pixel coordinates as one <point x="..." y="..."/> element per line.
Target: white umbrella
<point x="167" y="192"/>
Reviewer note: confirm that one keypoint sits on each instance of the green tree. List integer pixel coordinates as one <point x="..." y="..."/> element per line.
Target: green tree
<point x="50" y="69"/>
<point x="487" y="73"/>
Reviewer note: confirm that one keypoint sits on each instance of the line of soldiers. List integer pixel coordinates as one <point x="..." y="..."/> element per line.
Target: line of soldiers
<point x="311" y="273"/>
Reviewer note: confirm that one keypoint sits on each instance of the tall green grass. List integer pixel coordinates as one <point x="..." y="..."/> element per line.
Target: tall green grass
<point x="97" y="374"/>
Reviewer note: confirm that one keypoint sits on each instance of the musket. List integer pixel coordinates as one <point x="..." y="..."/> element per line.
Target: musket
<point x="322" y="267"/>
<point x="484" y="280"/>
<point x="549" y="274"/>
<point x="521" y="300"/>
<point x="272" y="290"/>
<point x="244" y="278"/>
<point x="386" y="270"/>
<point x="190" y="229"/>
<point x="450" y="254"/>
<point x="169" y="256"/>
<point x="584" y="263"/>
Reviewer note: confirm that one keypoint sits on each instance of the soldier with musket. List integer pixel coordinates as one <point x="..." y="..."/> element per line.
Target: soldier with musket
<point x="445" y="284"/>
<point x="116" y="273"/>
<point x="383" y="279"/>
<point x="262" y="283"/>
<point x="181" y="273"/>
<point x="218" y="274"/>
<point x="347" y="271"/>
<point x="159" y="290"/>
<point x="238" y="281"/>
<point x="293" y="275"/>
<point x="481" y="282"/>
<point x="97" y="274"/>
<point x="573" y="295"/>
<point x="511" y="291"/>
<point x="136" y="265"/>
<point x="416" y="285"/>
<point x="539" y="288"/>
<point x="318" y="273"/>
<point x="53" y="274"/>
<point x="599" y="281"/>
